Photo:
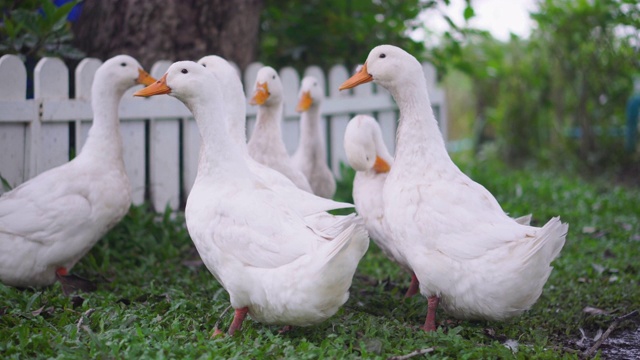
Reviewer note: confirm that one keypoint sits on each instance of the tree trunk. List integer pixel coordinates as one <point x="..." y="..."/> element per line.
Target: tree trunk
<point x="152" y="30"/>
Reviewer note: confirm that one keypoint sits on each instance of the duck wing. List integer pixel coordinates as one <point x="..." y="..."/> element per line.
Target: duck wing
<point x="44" y="208"/>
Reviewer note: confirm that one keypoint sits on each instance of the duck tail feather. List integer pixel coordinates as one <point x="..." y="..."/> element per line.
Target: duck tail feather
<point x="549" y="241"/>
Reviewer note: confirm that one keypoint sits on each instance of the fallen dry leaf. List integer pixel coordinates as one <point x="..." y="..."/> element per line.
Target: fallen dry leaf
<point x="37" y="312"/>
<point x="598" y="268"/>
<point x="594" y="311"/>
<point x="43" y="311"/>
<point x="588" y="229"/>
<point x="512" y="345"/>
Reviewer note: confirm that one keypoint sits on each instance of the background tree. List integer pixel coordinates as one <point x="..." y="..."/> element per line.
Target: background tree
<point x="560" y="95"/>
<point x="152" y="30"/>
<point x="328" y="32"/>
<point x="593" y="50"/>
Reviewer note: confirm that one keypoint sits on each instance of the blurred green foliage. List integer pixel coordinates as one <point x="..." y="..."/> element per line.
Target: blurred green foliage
<point x="329" y="32"/>
<point x="37" y="28"/>
<point x="560" y="95"/>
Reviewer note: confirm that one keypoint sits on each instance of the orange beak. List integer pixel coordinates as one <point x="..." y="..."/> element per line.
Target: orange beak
<point x="381" y="166"/>
<point x="144" y="78"/>
<point x="157" y="88"/>
<point x="358" y="78"/>
<point x="305" y="102"/>
<point x="261" y="95"/>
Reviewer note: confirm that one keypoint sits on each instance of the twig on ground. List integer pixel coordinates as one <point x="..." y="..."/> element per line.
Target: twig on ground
<point x="412" y="354"/>
<point x="589" y="353"/>
<point x="80" y="324"/>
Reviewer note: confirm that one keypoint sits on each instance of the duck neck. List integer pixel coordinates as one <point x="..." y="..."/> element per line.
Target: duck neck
<point x="104" y="138"/>
<point x="268" y="128"/>
<point x="310" y="134"/>
<point x="220" y="155"/>
<point x="418" y="138"/>
<point x="236" y="122"/>
<point x="381" y="149"/>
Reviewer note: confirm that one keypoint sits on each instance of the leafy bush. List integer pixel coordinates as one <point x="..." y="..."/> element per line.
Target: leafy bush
<point x="38" y="28"/>
<point x="559" y="96"/>
<point x="327" y="32"/>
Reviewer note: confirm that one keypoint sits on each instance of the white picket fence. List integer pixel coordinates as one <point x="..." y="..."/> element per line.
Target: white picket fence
<point x="160" y="137"/>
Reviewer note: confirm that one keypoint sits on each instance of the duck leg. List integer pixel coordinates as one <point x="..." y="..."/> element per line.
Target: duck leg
<point x="238" y="317"/>
<point x="285" y="329"/>
<point x="430" y="321"/>
<point x="70" y="283"/>
<point x="413" y="287"/>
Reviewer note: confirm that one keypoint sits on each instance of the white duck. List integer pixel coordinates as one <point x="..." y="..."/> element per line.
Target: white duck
<point x="305" y="202"/>
<point x="261" y="251"/>
<point x="369" y="157"/>
<point x="50" y="222"/>
<point x="465" y="251"/>
<point x="311" y="155"/>
<point x="266" y="145"/>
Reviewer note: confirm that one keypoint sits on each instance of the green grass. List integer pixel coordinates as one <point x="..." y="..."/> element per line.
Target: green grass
<point x="151" y="305"/>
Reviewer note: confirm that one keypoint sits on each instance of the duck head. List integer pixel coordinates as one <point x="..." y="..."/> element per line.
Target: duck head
<point x="311" y="93"/>
<point x="388" y="66"/>
<point x="362" y="142"/>
<point x="185" y="80"/>
<point x="122" y="72"/>
<point x="267" y="88"/>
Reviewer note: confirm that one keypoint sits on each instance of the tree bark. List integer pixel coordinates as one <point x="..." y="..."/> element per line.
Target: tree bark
<point x="152" y="30"/>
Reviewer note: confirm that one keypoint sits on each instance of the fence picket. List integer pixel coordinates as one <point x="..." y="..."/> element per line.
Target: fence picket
<point x="191" y="148"/>
<point x="164" y="155"/>
<point x="250" y="75"/>
<point x="437" y="97"/>
<point x="85" y="72"/>
<point x="338" y="123"/>
<point x="290" y="123"/>
<point x="13" y="77"/>
<point x="51" y="82"/>
<point x="162" y="165"/>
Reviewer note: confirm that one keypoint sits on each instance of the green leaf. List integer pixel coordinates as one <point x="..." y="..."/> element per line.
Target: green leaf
<point x="63" y="11"/>
<point x="48" y="8"/>
<point x="468" y="13"/>
<point x="5" y="183"/>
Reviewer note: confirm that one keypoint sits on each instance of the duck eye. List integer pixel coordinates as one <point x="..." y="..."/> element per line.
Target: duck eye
<point x="184" y="71"/>
<point x="274" y="77"/>
<point x="205" y="65"/>
<point x="123" y="64"/>
<point x="382" y="56"/>
<point x="314" y="84"/>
